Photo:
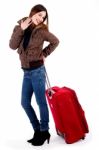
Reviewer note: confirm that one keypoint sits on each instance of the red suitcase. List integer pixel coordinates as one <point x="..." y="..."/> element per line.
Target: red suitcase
<point x="68" y="115"/>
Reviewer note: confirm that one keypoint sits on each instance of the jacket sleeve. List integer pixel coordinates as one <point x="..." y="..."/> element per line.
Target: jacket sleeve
<point x="53" y="42"/>
<point x="16" y="37"/>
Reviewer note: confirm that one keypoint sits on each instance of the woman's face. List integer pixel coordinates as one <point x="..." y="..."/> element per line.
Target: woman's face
<point x="38" y="17"/>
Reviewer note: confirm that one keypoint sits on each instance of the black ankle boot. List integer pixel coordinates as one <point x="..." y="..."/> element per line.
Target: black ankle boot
<point x="45" y="135"/>
<point x="35" y="136"/>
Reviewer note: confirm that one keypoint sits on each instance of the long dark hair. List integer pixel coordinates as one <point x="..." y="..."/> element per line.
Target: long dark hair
<point x="28" y="31"/>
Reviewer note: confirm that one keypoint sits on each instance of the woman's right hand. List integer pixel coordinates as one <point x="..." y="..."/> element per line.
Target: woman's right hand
<point x="25" y="24"/>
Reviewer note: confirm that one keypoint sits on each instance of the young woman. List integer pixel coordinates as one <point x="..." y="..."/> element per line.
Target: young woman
<point x="29" y="36"/>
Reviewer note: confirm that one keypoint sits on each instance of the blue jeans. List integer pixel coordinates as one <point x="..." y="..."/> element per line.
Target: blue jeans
<point x="34" y="81"/>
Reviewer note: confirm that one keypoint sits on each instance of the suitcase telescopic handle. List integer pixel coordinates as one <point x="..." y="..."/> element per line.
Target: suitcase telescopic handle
<point x="50" y="90"/>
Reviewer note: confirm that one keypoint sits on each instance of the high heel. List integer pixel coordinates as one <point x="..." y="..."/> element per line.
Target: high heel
<point x="45" y="135"/>
<point x="48" y="140"/>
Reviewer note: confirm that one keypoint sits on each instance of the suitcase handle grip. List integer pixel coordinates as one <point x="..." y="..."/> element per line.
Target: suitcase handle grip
<point x="50" y="90"/>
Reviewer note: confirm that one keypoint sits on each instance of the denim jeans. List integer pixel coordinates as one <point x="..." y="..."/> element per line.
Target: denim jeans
<point x="34" y="82"/>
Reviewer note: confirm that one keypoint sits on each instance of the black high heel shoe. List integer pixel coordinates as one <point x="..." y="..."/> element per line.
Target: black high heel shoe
<point x="35" y="136"/>
<point x="45" y="135"/>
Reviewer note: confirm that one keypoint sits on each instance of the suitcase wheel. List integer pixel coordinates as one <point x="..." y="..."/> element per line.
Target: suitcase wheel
<point x="59" y="133"/>
<point x="83" y="138"/>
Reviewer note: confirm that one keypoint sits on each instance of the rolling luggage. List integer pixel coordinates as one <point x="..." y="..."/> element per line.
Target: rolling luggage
<point x="68" y="115"/>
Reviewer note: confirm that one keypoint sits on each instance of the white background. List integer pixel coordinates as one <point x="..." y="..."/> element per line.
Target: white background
<point x="74" y="63"/>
